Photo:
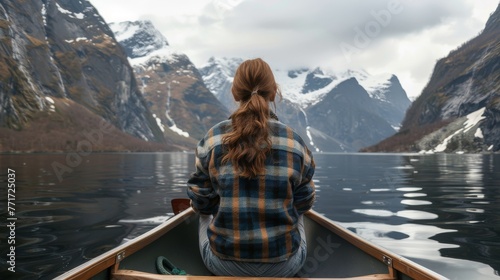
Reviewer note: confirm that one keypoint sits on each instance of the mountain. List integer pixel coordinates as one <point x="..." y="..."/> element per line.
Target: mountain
<point x="62" y="75"/>
<point x="334" y="112"/>
<point x="186" y="101"/>
<point x="346" y="114"/>
<point x="391" y="99"/>
<point x="218" y="76"/>
<point x="459" y="109"/>
<point x="174" y="90"/>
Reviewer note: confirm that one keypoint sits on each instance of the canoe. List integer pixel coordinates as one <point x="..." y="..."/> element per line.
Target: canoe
<point x="333" y="253"/>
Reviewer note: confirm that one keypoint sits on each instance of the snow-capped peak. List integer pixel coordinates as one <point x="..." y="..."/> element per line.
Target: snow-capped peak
<point x="302" y="86"/>
<point x="143" y="42"/>
<point x="375" y="85"/>
<point x="292" y="83"/>
<point x="218" y="75"/>
<point x="227" y="66"/>
<point x="140" y="38"/>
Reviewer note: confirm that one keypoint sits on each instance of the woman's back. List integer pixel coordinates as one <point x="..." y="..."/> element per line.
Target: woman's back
<point x="256" y="218"/>
<point x="253" y="182"/>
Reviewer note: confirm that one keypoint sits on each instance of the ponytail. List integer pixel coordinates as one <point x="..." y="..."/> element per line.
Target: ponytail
<point x="248" y="143"/>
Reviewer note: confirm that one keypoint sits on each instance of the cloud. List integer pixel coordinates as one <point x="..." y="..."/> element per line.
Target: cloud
<point x="404" y="37"/>
<point x="298" y="29"/>
<point x="338" y="19"/>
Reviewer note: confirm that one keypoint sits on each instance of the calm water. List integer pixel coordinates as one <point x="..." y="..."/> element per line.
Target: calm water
<point x="442" y="211"/>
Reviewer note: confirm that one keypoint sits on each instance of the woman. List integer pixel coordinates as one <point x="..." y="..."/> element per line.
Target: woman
<point x="253" y="182"/>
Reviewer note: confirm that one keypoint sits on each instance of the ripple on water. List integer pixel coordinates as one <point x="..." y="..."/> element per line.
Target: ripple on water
<point x="374" y="212"/>
<point x="409" y="214"/>
<point x="409" y="189"/>
<point x="414" y="194"/>
<point x="474" y="210"/>
<point x="415" y="202"/>
<point x="370" y="202"/>
<point x="416" y="215"/>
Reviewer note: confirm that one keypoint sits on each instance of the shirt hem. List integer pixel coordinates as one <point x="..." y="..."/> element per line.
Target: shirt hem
<point x="267" y="260"/>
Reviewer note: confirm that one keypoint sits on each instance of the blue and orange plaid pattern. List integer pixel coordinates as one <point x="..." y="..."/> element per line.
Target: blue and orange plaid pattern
<point x="255" y="219"/>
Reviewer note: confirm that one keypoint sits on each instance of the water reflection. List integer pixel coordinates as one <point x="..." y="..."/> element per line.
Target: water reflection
<point x="410" y="239"/>
<point x="463" y="196"/>
<point x="104" y="200"/>
<point x="439" y="210"/>
<point x="169" y="181"/>
<point x="409" y="214"/>
<point x="450" y="197"/>
<point x="415" y="202"/>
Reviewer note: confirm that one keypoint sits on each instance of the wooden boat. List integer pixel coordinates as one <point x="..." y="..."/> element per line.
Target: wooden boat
<point x="333" y="253"/>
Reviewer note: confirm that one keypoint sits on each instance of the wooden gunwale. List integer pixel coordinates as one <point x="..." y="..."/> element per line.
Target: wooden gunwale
<point x="109" y="259"/>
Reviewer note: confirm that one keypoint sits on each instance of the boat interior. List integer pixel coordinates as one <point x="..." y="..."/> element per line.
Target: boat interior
<point x="333" y="253"/>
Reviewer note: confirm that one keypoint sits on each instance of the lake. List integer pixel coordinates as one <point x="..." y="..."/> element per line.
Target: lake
<point x="441" y="210"/>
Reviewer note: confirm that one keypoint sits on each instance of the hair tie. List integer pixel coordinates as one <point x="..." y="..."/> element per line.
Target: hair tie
<point x="255" y="92"/>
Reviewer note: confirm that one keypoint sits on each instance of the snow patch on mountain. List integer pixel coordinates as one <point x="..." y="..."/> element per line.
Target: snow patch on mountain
<point x="52" y="108"/>
<point x="70" y="13"/>
<point x="44" y="15"/>
<point x="471" y="121"/>
<point x="173" y="125"/>
<point x="161" y="55"/>
<point x="159" y="123"/>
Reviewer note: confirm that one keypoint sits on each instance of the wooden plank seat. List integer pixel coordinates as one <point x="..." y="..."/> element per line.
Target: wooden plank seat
<point x="124" y="274"/>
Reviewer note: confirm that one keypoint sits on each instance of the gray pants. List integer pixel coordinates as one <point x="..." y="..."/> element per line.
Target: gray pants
<point x="221" y="267"/>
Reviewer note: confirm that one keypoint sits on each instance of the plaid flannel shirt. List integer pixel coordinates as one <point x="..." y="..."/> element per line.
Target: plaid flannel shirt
<point x="255" y="219"/>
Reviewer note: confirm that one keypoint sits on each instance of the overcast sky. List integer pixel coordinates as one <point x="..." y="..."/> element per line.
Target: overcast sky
<point x="403" y="37"/>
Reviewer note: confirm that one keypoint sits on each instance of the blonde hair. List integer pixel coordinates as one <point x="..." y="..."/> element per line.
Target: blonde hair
<point x="248" y="142"/>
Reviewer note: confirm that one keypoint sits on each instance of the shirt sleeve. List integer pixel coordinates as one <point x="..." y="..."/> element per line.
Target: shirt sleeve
<point x="203" y="196"/>
<point x="304" y="194"/>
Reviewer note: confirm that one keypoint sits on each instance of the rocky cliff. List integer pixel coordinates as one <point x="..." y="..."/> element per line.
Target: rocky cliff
<point x="463" y="90"/>
<point x="60" y="57"/>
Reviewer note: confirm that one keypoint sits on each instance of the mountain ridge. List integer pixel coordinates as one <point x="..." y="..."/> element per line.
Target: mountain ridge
<point x="303" y="88"/>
